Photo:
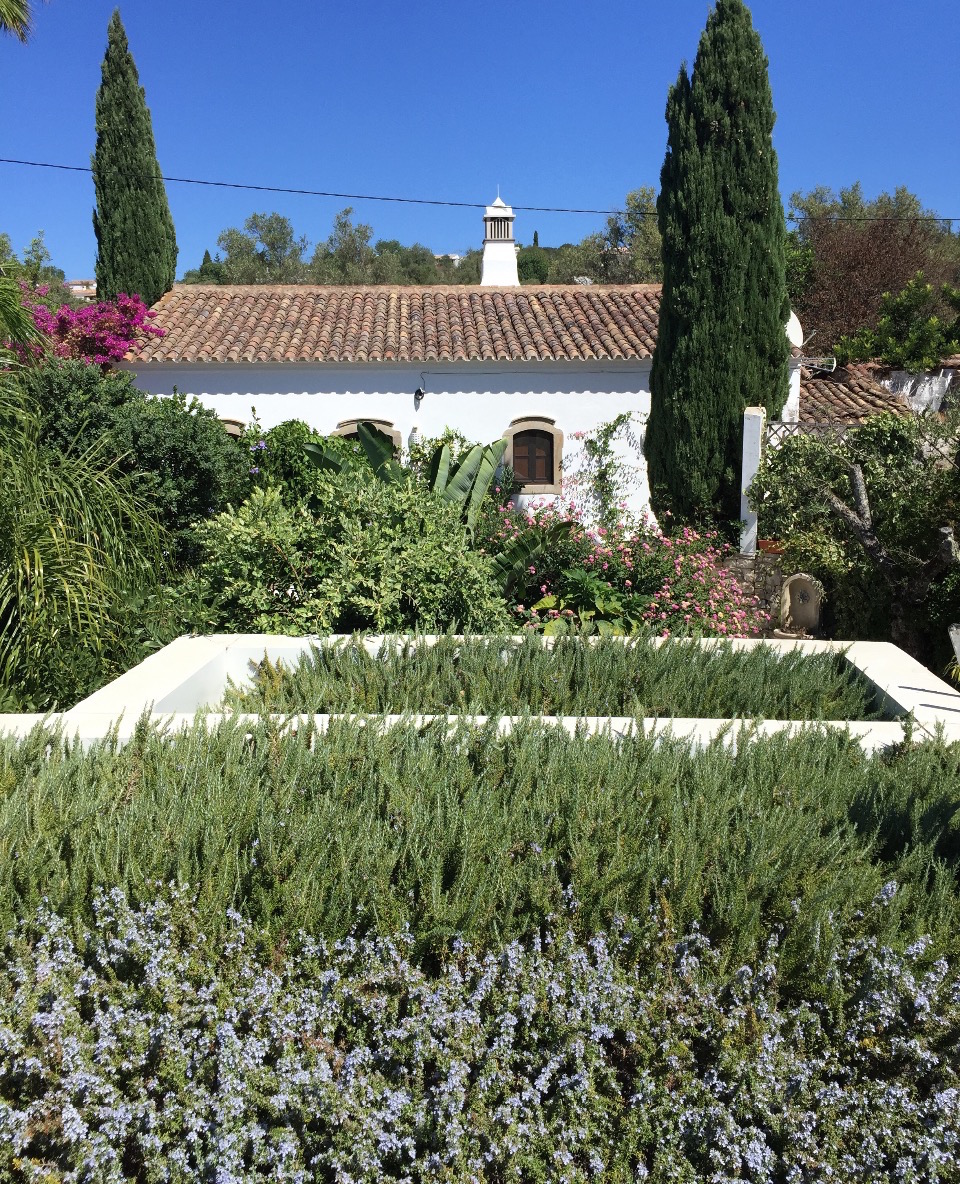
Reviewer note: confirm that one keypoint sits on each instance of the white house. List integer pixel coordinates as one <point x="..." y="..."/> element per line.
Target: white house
<point x="533" y="364"/>
<point x="539" y="365"/>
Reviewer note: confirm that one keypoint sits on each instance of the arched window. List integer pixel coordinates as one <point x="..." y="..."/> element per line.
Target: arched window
<point x="348" y="429"/>
<point x="535" y="452"/>
<point x="533" y="457"/>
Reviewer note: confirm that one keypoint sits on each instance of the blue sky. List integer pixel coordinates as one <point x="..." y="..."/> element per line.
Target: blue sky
<point x="559" y="102"/>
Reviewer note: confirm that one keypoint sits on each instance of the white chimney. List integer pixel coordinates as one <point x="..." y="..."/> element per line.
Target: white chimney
<point x="499" y="249"/>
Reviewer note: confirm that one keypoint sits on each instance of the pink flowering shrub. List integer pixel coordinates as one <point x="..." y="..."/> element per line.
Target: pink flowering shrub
<point x="100" y="333"/>
<point x="698" y="594"/>
<point x="625" y="574"/>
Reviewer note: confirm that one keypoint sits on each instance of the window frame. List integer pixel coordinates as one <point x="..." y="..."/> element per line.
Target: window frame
<point x="347" y="428"/>
<point x="537" y="423"/>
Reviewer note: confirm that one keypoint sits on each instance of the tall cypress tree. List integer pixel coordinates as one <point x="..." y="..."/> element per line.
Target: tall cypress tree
<point x="721" y="344"/>
<point x="136" y="244"/>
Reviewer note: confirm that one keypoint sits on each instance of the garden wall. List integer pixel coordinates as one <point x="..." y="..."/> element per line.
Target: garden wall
<point x="762" y="576"/>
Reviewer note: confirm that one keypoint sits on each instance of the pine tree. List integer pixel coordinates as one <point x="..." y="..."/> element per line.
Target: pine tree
<point x="211" y="270"/>
<point x="136" y="244"/>
<point x="721" y="343"/>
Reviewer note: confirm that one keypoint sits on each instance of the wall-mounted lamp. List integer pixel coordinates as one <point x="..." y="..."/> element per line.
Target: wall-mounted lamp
<point x="418" y="397"/>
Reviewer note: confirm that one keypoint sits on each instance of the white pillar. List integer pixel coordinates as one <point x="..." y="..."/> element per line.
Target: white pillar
<point x="791" y="409"/>
<point x="754" y="422"/>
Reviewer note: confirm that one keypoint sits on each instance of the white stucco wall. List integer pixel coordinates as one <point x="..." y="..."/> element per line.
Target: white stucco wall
<point x="923" y="392"/>
<point x="478" y="399"/>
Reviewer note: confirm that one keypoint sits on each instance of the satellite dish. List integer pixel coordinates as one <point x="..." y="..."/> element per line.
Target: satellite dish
<point x="826" y="364"/>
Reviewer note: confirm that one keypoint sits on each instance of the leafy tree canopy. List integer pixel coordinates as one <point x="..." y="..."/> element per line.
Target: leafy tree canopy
<point x="210" y="271"/>
<point x="265" y="251"/>
<point x="911" y="333"/>
<point x="847" y="251"/>
<point x="35" y="269"/>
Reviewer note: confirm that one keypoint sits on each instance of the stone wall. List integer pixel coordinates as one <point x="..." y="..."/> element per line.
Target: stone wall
<point x="762" y="576"/>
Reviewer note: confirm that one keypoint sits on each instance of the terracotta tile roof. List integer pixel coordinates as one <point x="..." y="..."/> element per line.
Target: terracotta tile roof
<point x="300" y="323"/>
<point x="951" y="363"/>
<point x="849" y="394"/>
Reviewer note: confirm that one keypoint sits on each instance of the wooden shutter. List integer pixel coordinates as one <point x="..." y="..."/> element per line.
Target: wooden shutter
<point x="533" y="457"/>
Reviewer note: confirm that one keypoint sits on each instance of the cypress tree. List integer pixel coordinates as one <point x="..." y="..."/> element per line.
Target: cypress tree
<point x="136" y="244"/>
<point x="721" y="344"/>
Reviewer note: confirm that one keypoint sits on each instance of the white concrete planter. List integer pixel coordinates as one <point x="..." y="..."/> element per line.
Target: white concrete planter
<point x="190" y="676"/>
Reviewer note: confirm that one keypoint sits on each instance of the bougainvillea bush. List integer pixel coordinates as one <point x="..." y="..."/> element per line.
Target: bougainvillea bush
<point x="141" y="1049"/>
<point x="623" y="578"/>
<point x="101" y="333"/>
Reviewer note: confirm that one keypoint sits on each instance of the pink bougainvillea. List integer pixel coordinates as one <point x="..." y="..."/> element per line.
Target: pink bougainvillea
<point x="101" y="333"/>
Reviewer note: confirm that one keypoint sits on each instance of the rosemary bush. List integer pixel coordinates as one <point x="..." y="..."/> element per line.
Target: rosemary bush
<point x="147" y="1050"/>
<point x="483" y="836"/>
<point x="495" y="676"/>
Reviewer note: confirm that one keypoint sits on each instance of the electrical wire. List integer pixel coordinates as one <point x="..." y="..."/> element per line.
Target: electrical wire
<point x="419" y="201"/>
<point x="464" y="205"/>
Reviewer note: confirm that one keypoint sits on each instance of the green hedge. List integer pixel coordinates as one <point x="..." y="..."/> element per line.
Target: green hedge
<point x="365" y="555"/>
<point x="484" y="836"/>
<point x="484" y="676"/>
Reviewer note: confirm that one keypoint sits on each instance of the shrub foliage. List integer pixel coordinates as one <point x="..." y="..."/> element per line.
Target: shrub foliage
<point x="482" y="835"/>
<point x="872" y="515"/>
<point x="604" y="677"/>
<point x="145" y="1049"/>
<point x="364" y="554"/>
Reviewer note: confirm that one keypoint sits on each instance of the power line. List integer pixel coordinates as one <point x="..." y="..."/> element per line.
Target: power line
<point x="463" y="205"/>
<point x="417" y="201"/>
<point x="829" y="217"/>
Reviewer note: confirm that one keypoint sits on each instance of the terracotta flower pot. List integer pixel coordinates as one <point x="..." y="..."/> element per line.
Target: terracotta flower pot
<point x="770" y="546"/>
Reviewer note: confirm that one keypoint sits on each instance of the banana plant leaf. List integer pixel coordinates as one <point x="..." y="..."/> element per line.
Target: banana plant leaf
<point x="378" y="449"/>
<point x="324" y="458"/>
<point x="486" y="471"/>
<point x="439" y="472"/>
<point x="462" y="477"/>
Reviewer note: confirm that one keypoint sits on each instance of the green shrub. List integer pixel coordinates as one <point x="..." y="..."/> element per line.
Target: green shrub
<point x="76" y="403"/>
<point x="277" y="457"/>
<point x="140" y="1047"/>
<point x="485" y="676"/>
<point x="621" y="579"/>
<point x="483" y="835"/>
<point x="178" y="456"/>
<point x="364" y="555"/>
<point x="259" y="569"/>
<point x="888" y="577"/>
<point x="174" y="452"/>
